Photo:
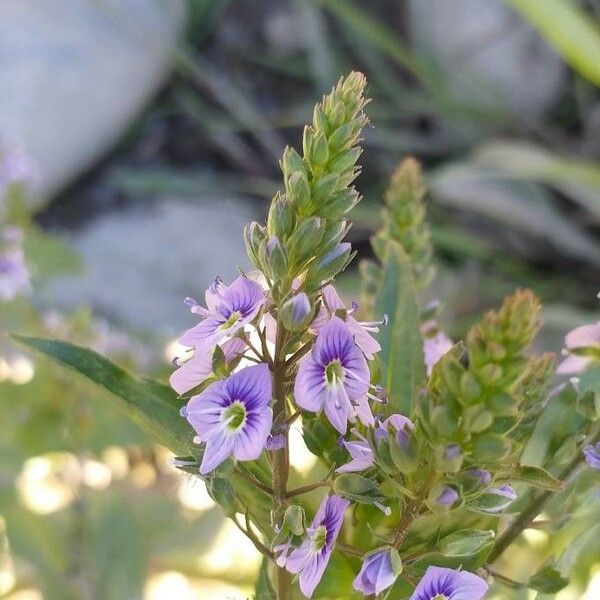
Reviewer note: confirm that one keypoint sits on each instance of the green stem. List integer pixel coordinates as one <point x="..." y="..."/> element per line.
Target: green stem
<point x="524" y="520"/>
<point x="411" y="511"/>
<point x="280" y="458"/>
<point x="303" y="489"/>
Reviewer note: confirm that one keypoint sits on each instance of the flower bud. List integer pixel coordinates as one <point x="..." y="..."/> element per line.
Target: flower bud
<point x="493" y="500"/>
<point x="291" y="162"/>
<point x="305" y="238"/>
<point x="448" y="458"/>
<point x="254" y="235"/>
<point x="299" y="191"/>
<point x="379" y="571"/>
<point x="281" y="217"/>
<point x="296" y="313"/>
<point x="332" y="263"/>
<point x="324" y="187"/>
<point x="318" y="153"/>
<point x="273" y="258"/>
<point x="443" y="497"/>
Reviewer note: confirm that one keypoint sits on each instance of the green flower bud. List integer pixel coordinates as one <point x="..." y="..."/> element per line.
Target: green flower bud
<point x="304" y="239"/>
<point x="273" y="258"/>
<point x="331" y="264"/>
<point x="296" y="313"/>
<point x="324" y="187"/>
<point x="345" y="160"/>
<point x="300" y="194"/>
<point x="339" y="204"/>
<point x="254" y="235"/>
<point x="281" y="217"/>
<point x="320" y="120"/>
<point x="318" y="154"/>
<point x="291" y="162"/>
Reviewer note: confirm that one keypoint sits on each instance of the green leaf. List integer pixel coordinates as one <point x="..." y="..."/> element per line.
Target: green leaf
<point x="357" y="488"/>
<point x="154" y="411"/>
<point x="466" y="542"/>
<point x="537" y="477"/>
<point x="402" y="363"/>
<point x="573" y="33"/>
<point x="263" y="589"/>
<point x="547" y="581"/>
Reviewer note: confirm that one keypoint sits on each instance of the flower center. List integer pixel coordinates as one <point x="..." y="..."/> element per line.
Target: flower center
<point x="235" y="416"/>
<point x="334" y="372"/>
<point x="439" y="597"/>
<point x="234" y="317"/>
<point x="320" y="537"/>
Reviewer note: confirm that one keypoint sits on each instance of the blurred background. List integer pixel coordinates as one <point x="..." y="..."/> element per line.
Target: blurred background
<point x="137" y="137"/>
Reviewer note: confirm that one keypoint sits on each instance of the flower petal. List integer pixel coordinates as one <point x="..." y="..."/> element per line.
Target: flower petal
<point x="309" y="387"/>
<point x="217" y="449"/>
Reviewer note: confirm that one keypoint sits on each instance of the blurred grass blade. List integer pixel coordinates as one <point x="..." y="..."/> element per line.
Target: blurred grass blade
<point x="569" y="29"/>
<point x="314" y="30"/>
<point x="401" y="354"/>
<point x="578" y="179"/>
<point x="520" y="204"/>
<point x="157" y="414"/>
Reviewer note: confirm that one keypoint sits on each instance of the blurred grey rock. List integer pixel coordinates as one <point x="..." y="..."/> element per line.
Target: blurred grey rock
<point x="489" y="55"/>
<point x="74" y="73"/>
<point x="140" y="265"/>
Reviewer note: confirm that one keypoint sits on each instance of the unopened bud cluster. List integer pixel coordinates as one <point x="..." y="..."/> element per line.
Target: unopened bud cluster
<point x="306" y="226"/>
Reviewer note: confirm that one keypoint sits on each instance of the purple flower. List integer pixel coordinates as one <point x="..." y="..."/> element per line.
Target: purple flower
<point x="335" y="377"/>
<point x="584" y="338"/>
<point x="377" y="573"/>
<point x="228" y="309"/>
<point x="360" y="330"/>
<point x="361" y="453"/>
<point x="312" y="556"/>
<point x="435" y="344"/>
<point x="592" y="455"/>
<point x="439" y="583"/>
<point x="233" y="416"/>
<point x="199" y="367"/>
<point x="14" y="275"/>
<point x="447" y="497"/>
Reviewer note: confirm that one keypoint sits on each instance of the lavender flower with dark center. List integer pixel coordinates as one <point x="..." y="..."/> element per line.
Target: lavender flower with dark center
<point x="335" y="377"/>
<point x="14" y="274"/>
<point x="361" y="330"/>
<point x="592" y="455"/>
<point x="233" y="416"/>
<point x="447" y="584"/>
<point x="376" y="574"/>
<point x="228" y="309"/>
<point x="199" y="367"/>
<point x="311" y="557"/>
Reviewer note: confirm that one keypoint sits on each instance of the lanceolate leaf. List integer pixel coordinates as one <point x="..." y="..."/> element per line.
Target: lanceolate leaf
<point x="537" y="477"/>
<point x="149" y="404"/>
<point x="402" y="363"/>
